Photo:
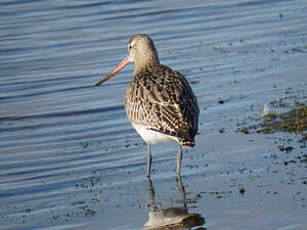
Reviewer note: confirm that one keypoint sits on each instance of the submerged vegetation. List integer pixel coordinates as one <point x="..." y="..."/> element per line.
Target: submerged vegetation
<point x="294" y="121"/>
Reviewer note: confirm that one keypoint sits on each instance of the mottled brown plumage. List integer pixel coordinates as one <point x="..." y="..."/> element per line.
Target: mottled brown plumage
<point x="159" y="102"/>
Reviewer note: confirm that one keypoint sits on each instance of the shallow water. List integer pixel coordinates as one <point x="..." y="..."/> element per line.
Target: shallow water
<point x="69" y="159"/>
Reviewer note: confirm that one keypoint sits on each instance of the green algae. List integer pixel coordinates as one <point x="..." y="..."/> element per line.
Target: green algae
<point x="294" y="121"/>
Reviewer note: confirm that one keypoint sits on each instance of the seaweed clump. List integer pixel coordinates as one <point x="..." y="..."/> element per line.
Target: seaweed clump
<point x="294" y="121"/>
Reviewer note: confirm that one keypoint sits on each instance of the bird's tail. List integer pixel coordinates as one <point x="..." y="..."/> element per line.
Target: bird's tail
<point x="186" y="143"/>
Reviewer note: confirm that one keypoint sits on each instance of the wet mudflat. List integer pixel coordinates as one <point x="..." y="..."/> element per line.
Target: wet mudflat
<point x="69" y="159"/>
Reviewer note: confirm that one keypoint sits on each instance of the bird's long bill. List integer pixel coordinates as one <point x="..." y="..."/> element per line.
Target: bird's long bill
<point x="121" y="65"/>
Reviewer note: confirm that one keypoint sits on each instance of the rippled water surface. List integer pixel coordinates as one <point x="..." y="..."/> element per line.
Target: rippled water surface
<point x="69" y="159"/>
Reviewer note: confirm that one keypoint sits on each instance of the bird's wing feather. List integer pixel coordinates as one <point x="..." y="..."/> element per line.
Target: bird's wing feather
<point x="165" y="103"/>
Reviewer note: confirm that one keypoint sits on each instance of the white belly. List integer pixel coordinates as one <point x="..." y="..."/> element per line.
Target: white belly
<point x="152" y="137"/>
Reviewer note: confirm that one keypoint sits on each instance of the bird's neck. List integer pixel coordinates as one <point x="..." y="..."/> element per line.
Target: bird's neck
<point x="146" y="66"/>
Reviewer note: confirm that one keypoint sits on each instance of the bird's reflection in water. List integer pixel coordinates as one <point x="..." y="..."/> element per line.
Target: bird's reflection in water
<point x="172" y="218"/>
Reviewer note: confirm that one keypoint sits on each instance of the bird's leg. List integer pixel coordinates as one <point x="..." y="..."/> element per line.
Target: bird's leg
<point x="182" y="191"/>
<point x="149" y="158"/>
<point x="179" y="157"/>
<point x="151" y="194"/>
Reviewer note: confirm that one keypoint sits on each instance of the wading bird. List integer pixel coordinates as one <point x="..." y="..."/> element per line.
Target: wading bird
<point x="159" y="102"/>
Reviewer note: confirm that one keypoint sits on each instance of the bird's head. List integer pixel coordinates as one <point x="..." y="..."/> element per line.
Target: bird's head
<point x="141" y="51"/>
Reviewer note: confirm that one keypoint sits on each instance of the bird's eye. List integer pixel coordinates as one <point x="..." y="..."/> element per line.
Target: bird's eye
<point x="130" y="47"/>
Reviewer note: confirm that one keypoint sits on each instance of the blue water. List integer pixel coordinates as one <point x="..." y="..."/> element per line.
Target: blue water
<point x="59" y="133"/>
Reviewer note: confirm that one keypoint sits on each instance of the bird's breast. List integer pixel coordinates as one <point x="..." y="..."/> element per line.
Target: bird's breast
<point x="150" y="136"/>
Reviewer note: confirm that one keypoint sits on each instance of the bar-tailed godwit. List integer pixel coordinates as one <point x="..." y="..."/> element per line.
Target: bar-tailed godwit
<point x="159" y="102"/>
